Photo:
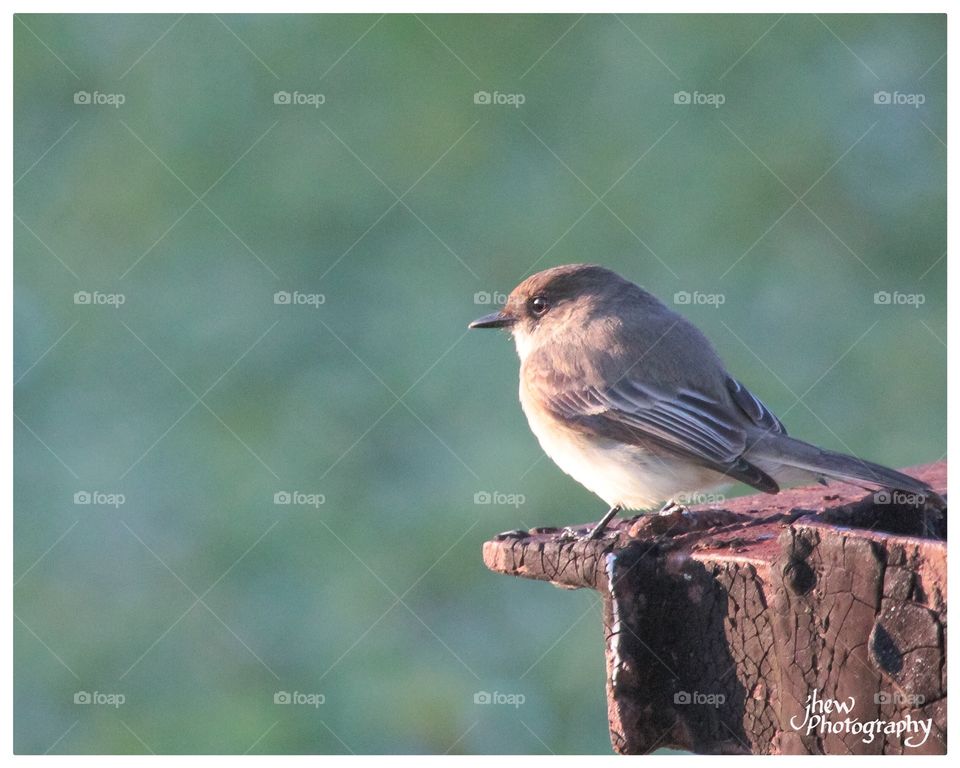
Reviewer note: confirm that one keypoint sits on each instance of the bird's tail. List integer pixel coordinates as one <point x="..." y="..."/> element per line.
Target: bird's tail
<point x="779" y="449"/>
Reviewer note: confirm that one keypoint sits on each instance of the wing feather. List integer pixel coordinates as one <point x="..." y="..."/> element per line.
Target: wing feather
<point x="750" y="404"/>
<point x="687" y="423"/>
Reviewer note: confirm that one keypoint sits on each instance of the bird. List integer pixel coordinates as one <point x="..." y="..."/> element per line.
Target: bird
<point x="632" y="401"/>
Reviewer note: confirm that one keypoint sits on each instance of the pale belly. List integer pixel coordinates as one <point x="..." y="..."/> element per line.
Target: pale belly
<point x="621" y="475"/>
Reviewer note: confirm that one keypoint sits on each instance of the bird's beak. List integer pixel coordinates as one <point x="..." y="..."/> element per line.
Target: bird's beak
<point x="493" y="320"/>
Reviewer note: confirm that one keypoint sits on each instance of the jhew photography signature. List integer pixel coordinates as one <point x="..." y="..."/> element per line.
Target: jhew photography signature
<point x="824" y="716"/>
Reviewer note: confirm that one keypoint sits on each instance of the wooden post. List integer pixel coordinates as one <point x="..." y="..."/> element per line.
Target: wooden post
<point x="719" y="626"/>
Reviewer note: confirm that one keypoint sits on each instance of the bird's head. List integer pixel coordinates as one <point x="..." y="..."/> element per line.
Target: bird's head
<point x="567" y="298"/>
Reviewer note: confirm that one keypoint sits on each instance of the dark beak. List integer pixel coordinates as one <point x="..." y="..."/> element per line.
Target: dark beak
<point x="493" y="320"/>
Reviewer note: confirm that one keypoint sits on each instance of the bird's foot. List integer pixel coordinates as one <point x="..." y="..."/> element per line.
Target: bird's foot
<point x="601" y="526"/>
<point x="570" y="534"/>
<point x="673" y="508"/>
<point x="579" y="534"/>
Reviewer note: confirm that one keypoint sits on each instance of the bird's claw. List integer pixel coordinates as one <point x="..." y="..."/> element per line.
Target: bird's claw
<point x="569" y="534"/>
<point x="672" y="508"/>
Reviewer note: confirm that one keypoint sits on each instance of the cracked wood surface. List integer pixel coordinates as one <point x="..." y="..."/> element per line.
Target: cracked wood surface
<point x="719" y="625"/>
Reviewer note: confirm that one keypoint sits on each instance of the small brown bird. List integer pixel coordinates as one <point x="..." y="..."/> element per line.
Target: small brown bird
<point x="631" y="400"/>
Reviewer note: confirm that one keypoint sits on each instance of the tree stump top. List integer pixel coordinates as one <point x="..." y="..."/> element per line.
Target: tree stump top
<point x="720" y="625"/>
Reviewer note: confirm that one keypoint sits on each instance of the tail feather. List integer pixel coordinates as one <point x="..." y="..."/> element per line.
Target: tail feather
<point x="838" y="466"/>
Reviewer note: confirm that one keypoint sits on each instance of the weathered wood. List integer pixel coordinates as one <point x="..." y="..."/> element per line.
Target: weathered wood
<point x="719" y="625"/>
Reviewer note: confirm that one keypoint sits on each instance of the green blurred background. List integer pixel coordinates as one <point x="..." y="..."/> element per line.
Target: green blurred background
<point x="200" y="398"/>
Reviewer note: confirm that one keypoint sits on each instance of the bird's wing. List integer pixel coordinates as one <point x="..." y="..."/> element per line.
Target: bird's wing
<point x="755" y="410"/>
<point x="687" y="423"/>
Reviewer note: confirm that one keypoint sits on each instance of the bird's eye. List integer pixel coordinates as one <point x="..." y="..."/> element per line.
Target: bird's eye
<point x="539" y="305"/>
